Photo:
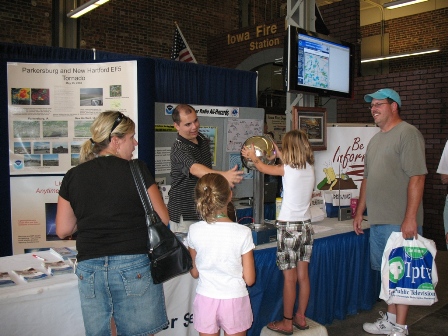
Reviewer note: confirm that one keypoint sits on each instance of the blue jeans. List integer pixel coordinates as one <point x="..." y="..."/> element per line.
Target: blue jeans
<point x="379" y="234"/>
<point x="120" y="286"/>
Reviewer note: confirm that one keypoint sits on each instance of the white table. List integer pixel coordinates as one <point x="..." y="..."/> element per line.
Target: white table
<point x="52" y="306"/>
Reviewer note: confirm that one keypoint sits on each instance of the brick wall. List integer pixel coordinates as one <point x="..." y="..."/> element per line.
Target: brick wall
<point x="231" y="48"/>
<point x="424" y="95"/>
<point x="422" y="82"/>
<point x="24" y="23"/>
<point x="138" y="27"/>
<point x="146" y="27"/>
<point x="412" y="33"/>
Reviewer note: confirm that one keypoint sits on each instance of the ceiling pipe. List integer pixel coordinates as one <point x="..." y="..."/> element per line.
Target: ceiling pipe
<point x="382" y="23"/>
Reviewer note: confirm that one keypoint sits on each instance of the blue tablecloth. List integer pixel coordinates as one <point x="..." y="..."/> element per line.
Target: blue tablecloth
<point x="342" y="282"/>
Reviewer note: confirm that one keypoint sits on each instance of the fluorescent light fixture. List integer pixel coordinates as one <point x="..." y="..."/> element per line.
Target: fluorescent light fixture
<point x="401" y="3"/>
<point x="388" y="57"/>
<point x="87" y="7"/>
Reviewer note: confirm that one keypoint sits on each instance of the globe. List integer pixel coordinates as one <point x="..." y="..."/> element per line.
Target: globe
<point x="264" y="150"/>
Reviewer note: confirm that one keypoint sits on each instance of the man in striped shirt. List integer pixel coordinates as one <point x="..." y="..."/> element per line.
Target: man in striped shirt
<point x="191" y="158"/>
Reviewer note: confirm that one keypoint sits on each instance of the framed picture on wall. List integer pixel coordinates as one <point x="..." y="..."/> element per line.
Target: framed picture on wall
<point x="313" y="120"/>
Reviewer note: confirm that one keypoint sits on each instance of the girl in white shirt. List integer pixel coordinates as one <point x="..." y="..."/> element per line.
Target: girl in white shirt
<point x="222" y="253"/>
<point x="294" y="229"/>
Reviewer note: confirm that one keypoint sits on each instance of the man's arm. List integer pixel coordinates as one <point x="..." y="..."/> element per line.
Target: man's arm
<point x="415" y="195"/>
<point x="360" y="208"/>
<point x="233" y="176"/>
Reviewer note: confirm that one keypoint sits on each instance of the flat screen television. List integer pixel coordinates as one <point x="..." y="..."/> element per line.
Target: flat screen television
<point x="318" y="64"/>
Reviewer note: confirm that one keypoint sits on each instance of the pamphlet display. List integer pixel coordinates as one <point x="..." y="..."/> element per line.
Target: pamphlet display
<point x="30" y="274"/>
<point x="5" y="280"/>
<point x="37" y="266"/>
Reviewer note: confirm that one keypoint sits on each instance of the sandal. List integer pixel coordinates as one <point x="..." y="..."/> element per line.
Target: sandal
<point x="299" y="326"/>
<point x="272" y="326"/>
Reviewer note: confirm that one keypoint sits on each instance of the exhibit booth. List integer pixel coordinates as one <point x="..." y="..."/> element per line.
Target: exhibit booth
<point x="342" y="283"/>
<point x="340" y="274"/>
<point x="44" y="103"/>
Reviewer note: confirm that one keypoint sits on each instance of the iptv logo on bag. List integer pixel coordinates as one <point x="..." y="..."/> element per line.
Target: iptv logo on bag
<point x="410" y="267"/>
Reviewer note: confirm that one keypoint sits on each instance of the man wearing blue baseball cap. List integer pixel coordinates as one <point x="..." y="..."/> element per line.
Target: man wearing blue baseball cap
<point x="392" y="191"/>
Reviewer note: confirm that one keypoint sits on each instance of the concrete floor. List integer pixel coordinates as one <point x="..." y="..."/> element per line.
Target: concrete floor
<point x="422" y="320"/>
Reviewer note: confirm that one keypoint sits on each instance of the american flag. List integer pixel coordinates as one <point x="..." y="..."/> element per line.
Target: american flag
<point x="180" y="51"/>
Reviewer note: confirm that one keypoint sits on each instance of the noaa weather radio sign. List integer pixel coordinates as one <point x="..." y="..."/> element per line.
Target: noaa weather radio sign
<point x="411" y="276"/>
<point x="209" y="111"/>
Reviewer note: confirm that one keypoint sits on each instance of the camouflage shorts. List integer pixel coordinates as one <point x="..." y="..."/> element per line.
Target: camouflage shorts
<point x="294" y="243"/>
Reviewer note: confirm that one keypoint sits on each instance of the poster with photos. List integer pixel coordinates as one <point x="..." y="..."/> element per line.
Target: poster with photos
<point x="51" y="107"/>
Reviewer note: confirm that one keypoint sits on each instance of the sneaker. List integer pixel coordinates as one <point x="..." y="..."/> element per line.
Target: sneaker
<point x="382" y="326"/>
<point x="398" y="331"/>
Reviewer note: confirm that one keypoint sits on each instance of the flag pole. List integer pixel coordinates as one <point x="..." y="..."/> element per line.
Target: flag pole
<point x="185" y="41"/>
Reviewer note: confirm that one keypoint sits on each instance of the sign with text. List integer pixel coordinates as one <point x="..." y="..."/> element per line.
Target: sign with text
<point x="51" y="107"/>
<point x="339" y="169"/>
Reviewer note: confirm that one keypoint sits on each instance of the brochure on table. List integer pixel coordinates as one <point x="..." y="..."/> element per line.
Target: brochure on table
<point x="31" y="267"/>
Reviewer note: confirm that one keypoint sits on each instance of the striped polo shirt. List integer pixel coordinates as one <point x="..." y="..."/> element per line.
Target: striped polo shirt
<point x="184" y="154"/>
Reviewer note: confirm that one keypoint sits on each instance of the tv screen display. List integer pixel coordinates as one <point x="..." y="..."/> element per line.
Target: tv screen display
<point x="318" y="64"/>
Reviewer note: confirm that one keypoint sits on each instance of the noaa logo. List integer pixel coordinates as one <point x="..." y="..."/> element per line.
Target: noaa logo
<point x="169" y="109"/>
<point x="234" y="112"/>
<point x="18" y="164"/>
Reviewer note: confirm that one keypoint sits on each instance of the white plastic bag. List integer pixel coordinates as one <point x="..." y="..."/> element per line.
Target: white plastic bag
<point x="408" y="271"/>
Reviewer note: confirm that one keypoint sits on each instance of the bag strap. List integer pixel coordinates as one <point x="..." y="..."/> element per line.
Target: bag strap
<point x="143" y="192"/>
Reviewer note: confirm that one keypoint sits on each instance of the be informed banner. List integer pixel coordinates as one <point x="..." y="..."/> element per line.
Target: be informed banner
<point x="339" y="169"/>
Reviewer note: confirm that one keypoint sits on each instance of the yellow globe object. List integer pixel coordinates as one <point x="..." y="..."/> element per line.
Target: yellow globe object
<point x="264" y="150"/>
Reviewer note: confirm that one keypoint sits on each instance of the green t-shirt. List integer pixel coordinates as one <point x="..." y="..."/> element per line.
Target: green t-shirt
<point x="392" y="158"/>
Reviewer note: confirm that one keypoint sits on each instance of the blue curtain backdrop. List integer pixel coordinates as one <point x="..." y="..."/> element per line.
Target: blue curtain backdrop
<point x="178" y="82"/>
<point x="158" y="81"/>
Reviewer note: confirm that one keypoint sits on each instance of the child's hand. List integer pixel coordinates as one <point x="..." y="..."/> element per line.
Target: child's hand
<point x="248" y="152"/>
<point x="278" y="152"/>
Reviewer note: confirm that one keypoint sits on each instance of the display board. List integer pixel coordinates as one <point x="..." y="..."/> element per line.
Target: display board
<point x="276" y="124"/>
<point x="51" y="107"/>
<point x="339" y="169"/>
<point x="227" y="128"/>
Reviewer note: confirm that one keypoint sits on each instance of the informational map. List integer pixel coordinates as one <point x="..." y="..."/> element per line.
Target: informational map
<point x="316" y="71"/>
<point x="313" y="63"/>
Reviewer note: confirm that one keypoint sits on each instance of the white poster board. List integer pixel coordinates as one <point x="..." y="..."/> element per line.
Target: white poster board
<point x="51" y="107"/>
<point x="339" y="169"/>
<point x="276" y="124"/>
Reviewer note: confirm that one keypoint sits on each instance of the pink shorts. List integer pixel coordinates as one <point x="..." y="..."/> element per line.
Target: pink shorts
<point x="232" y="315"/>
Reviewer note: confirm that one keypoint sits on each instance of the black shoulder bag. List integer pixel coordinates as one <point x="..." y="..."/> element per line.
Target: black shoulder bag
<point x="169" y="256"/>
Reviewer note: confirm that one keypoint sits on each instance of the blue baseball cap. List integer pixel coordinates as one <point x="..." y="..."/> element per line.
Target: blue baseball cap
<point x="383" y="94"/>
